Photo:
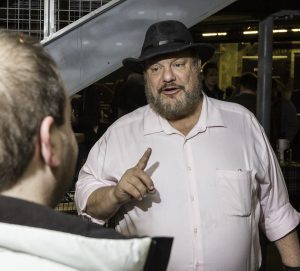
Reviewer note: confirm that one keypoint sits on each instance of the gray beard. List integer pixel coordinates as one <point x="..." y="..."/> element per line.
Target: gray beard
<point x="178" y="110"/>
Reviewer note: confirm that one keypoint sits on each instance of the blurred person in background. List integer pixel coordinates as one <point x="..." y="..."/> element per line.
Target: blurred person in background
<point x="247" y="92"/>
<point x="229" y="92"/>
<point x="295" y="98"/>
<point x="284" y="123"/>
<point x="131" y="94"/>
<point x="210" y="74"/>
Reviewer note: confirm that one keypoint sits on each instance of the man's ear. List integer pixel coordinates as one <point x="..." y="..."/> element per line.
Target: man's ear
<point x="199" y="64"/>
<point x="49" y="150"/>
<point x="200" y="69"/>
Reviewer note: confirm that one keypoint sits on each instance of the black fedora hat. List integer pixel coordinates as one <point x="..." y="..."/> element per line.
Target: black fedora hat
<point x="167" y="37"/>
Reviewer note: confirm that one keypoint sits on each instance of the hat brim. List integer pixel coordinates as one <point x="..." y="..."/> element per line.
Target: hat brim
<point x="205" y="52"/>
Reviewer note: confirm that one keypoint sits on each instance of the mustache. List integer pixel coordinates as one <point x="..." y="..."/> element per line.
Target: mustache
<point x="170" y="85"/>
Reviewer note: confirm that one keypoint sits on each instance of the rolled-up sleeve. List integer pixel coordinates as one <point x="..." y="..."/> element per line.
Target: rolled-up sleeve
<point x="89" y="178"/>
<point x="278" y="215"/>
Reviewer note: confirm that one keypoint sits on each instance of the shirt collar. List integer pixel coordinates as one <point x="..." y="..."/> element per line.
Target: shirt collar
<point x="210" y="117"/>
<point x="211" y="114"/>
<point x="152" y="122"/>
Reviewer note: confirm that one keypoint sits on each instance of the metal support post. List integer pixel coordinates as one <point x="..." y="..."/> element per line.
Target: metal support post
<point x="264" y="90"/>
<point x="49" y="18"/>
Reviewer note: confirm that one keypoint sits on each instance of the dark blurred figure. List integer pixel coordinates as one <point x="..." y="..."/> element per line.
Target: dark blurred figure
<point x="210" y="81"/>
<point x="295" y="99"/>
<point x="86" y="114"/>
<point x="131" y="95"/>
<point x="295" y="145"/>
<point x="247" y="92"/>
<point x="230" y="91"/>
<point x="283" y="115"/>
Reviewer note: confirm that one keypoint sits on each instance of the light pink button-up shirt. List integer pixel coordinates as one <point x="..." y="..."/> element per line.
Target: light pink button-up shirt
<point x="213" y="186"/>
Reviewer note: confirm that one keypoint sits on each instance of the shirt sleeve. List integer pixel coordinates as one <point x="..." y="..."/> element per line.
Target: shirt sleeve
<point x="90" y="177"/>
<point x="278" y="217"/>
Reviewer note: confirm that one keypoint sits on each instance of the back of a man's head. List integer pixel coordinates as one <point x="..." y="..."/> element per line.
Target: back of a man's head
<point x="30" y="89"/>
<point x="248" y="81"/>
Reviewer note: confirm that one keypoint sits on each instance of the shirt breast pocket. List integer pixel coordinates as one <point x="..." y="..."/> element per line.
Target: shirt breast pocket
<point x="234" y="191"/>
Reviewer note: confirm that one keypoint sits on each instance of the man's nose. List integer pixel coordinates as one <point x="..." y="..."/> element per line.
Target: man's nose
<point x="168" y="75"/>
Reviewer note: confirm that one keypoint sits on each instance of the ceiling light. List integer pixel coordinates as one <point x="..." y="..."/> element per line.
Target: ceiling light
<point x="296" y="29"/>
<point x="214" y="34"/>
<point x="250" y="32"/>
<point x="209" y="34"/>
<point x="256" y="57"/>
<point x="279" y="30"/>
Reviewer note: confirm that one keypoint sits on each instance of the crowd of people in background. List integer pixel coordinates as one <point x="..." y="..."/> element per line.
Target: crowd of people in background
<point x="285" y="104"/>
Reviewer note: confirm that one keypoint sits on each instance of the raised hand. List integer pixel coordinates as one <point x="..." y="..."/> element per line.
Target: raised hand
<point x="135" y="182"/>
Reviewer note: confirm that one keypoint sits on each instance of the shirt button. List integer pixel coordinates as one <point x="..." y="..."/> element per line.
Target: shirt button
<point x="195" y="230"/>
<point x="189" y="168"/>
<point x="197" y="264"/>
<point x="192" y="198"/>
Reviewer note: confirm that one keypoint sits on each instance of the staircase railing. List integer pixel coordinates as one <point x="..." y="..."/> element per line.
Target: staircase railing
<point x="42" y="18"/>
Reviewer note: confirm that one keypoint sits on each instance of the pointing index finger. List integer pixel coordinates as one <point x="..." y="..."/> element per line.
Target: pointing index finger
<point x="142" y="163"/>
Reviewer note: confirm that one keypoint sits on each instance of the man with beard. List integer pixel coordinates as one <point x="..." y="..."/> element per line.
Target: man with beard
<point x="168" y="168"/>
<point x="37" y="160"/>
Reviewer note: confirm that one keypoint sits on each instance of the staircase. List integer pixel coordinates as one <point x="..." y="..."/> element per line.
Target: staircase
<point x="94" y="46"/>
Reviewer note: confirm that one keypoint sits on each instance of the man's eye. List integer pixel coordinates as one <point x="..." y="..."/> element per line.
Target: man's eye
<point x="178" y="65"/>
<point x="155" y="68"/>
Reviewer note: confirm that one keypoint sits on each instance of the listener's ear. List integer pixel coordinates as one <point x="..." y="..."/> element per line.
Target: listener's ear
<point x="48" y="141"/>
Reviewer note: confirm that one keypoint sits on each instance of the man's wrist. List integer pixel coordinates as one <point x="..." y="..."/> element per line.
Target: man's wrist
<point x="113" y="197"/>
